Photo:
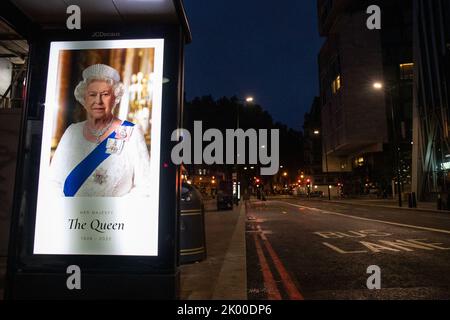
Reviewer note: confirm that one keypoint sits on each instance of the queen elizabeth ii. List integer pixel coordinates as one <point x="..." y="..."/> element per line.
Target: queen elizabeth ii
<point x="102" y="156"/>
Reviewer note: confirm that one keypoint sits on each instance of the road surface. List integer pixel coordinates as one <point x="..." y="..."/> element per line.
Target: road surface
<point x="300" y="249"/>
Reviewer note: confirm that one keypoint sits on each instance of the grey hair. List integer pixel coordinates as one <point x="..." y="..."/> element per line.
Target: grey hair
<point x="117" y="89"/>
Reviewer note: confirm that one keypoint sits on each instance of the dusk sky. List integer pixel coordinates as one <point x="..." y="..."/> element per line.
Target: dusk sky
<point x="266" y="49"/>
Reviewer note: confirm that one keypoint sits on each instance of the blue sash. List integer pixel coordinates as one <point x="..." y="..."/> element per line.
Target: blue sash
<point x="84" y="169"/>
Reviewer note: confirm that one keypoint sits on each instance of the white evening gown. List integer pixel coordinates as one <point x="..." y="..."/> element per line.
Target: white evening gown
<point x="124" y="174"/>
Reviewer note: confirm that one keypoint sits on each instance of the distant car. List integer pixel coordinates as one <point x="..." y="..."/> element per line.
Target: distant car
<point x="224" y="201"/>
<point x="316" y="194"/>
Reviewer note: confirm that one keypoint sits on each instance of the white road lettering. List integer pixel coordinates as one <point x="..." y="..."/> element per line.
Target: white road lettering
<point x="432" y="245"/>
<point x="405" y="245"/>
<point x="351" y="234"/>
<point x="376" y="247"/>
<point x="338" y="250"/>
<point x="408" y="245"/>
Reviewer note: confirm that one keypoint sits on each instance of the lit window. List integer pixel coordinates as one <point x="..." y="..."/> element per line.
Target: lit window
<point x="336" y="85"/>
<point x="406" y="71"/>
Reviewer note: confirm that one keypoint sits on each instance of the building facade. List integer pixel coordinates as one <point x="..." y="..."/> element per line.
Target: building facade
<point x="366" y="133"/>
<point x="431" y="151"/>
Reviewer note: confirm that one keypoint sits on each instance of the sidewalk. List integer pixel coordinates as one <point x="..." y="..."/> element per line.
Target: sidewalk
<point x="223" y="275"/>
<point x="383" y="203"/>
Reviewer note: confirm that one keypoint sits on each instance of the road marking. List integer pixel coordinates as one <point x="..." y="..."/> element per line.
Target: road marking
<point x="405" y="245"/>
<point x="351" y="234"/>
<point x="367" y="219"/>
<point x="374" y="247"/>
<point x="289" y="285"/>
<point x="269" y="281"/>
<point x="393" y="245"/>
<point x="263" y="232"/>
<point x="338" y="250"/>
<point x="432" y="245"/>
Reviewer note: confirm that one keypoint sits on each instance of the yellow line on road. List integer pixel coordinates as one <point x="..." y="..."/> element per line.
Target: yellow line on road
<point x="367" y="219"/>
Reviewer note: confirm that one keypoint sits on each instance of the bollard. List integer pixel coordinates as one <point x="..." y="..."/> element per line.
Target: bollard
<point x="414" y="200"/>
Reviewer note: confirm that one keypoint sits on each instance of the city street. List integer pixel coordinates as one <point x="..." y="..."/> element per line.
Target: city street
<point x="306" y="249"/>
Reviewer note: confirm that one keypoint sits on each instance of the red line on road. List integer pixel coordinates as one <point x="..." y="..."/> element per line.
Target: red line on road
<point x="269" y="281"/>
<point x="289" y="285"/>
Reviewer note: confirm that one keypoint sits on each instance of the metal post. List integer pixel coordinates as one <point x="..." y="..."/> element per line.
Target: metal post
<point x="396" y="146"/>
<point x="328" y="183"/>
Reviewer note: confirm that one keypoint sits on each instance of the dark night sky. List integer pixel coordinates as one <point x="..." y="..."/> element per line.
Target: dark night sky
<point x="267" y="49"/>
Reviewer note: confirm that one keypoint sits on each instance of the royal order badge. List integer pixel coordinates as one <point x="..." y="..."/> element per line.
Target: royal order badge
<point x="123" y="133"/>
<point x="114" y="146"/>
<point x="100" y="176"/>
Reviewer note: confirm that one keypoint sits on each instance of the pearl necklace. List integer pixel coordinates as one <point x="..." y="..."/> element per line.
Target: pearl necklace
<point x="98" y="133"/>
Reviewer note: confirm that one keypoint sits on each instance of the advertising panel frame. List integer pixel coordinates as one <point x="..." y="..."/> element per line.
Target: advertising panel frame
<point x="44" y="276"/>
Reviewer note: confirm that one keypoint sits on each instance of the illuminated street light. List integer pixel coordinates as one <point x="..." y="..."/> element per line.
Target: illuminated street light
<point x="284" y="174"/>
<point x="378" y="85"/>
<point x="317" y="132"/>
<point x="246" y="101"/>
<point x="388" y="90"/>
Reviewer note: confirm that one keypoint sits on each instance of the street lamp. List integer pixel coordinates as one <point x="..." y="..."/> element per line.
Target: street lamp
<point x="378" y="85"/>
<point x="388" y="90"/>
<point x="317" y="132"/>
<point x="246" y="101"/>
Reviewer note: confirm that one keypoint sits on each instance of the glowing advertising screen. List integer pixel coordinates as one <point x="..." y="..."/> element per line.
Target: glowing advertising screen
<point x="99" y="167"/>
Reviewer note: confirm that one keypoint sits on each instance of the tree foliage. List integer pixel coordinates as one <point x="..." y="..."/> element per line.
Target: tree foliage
<point x="222" y="114"/>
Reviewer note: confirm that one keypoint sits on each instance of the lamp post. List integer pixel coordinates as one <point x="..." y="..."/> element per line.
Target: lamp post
<point x="328" y="180"/>
<point x="388" y="90"/>
<point x="317" y="132"/>
<point x="247" y="100"/>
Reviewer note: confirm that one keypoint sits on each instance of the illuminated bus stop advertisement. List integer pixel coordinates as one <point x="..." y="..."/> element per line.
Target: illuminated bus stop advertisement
<point x="99" y="168"/>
